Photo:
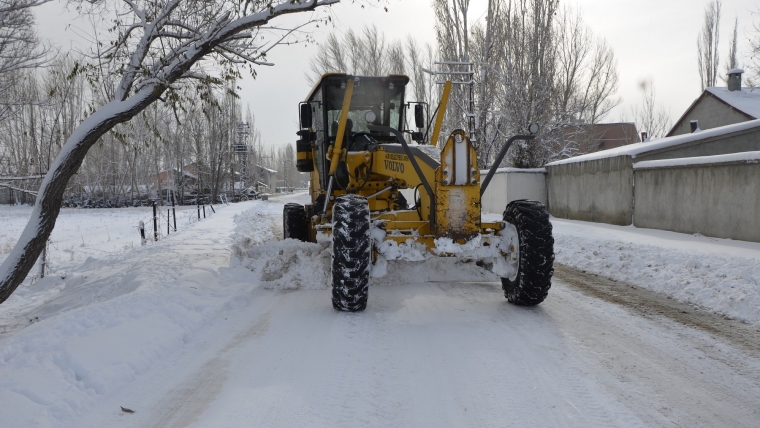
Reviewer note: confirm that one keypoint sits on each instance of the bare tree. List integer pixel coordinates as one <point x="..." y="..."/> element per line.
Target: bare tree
<point x="369" y="53"/>
<point x="158" y="45"/>
<point x="19" y="49"/>
<point x="753" y="65"/>
<point x="587" y="77"/>
<point x="708" y="41"/>
<point x="527" y="76"/>
<point x="649" y="116"/>
<point x="533" y="62"/>
<point x="733" y="61"/>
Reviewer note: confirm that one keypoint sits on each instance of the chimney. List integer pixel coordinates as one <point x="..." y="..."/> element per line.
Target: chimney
<point x="735" y="79"/>
<point x="694" y="126"/>
<point x="644" y="137"/>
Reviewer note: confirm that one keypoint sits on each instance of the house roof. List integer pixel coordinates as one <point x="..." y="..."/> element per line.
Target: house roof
<point x="746" y="101"/>
<point x="620" y="134"/>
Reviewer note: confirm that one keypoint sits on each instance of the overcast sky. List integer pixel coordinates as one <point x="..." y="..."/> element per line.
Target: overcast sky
<point x="653" y="40"/>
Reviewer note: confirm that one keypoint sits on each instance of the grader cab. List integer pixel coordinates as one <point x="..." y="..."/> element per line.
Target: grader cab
<point x="352" y="142"/>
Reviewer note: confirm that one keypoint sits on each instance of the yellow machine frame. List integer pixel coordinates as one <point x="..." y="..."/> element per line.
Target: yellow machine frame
<point x="452" y="210"/>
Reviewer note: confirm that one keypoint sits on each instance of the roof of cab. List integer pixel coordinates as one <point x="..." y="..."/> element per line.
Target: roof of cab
<point x="348" y="76"/>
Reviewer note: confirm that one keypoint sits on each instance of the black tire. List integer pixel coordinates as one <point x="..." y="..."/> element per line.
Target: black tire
<point x="351" y="253"/>
<point x="536" y="259"/>
<point x="294" y="222"/>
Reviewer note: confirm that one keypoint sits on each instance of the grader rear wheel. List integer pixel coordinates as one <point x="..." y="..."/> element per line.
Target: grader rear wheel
<point x="530" y="284"/>
<point x="351" y="253"/>
<point x="294" y="222"/>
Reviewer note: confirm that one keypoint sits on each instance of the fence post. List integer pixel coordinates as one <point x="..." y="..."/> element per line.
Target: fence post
<point x="155" y="223"/>
<point x="204" y="210"/>
<point x="44" y="261"/>
<point x="174" y="213"/>
<point x="168" y="225"/>
<point x="141" y="226"/>
<point x="212" y="208"/>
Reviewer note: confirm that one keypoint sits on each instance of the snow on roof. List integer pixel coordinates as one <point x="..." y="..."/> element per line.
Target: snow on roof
<point x="266" y="169"/>
<point x="742" y="157"/>
<point x="735" y="71"/>
<point x="747" y="100"/>
<point x="635" y="149"/>
<point x="187" y="174"/>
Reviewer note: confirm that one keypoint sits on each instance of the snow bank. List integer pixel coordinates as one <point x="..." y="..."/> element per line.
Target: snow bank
<point x="280" y="264"/>
<point x="720" y="275"/>
<point x="290" y="264"/>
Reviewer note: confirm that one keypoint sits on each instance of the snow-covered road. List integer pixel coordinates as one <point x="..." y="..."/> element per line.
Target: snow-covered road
<point x="443" y="355"/>
<point x="193" y="342"/>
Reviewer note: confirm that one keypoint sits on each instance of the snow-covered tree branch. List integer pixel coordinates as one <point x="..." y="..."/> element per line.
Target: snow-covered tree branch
<point x="156" y="45"/>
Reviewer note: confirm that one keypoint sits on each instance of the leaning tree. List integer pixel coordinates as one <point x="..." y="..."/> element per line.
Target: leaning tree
<point x="152" y="48"/>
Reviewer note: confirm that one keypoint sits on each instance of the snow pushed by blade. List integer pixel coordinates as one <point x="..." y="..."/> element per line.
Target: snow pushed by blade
<point x="280" y="264"/>
<point x="433" y="269"/>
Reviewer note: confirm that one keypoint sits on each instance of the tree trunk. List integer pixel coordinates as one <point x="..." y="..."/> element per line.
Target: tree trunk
<point x="48" y="204"/>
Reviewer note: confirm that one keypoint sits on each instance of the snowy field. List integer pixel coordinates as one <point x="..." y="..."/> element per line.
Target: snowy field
<point x="226" y="325"/>
<point x="80" y="235"/>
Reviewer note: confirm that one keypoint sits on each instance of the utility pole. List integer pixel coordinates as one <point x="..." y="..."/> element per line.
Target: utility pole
<point x="241" y="148"/>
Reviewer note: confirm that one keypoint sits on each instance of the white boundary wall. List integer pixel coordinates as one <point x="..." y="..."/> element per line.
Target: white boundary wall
<point x="599" y="187"/>
<point x="717" y="196"/>
<point x="509" y="184"/>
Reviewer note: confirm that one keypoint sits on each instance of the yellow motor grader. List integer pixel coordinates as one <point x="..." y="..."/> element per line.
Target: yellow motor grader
<point x="352" y="142"/>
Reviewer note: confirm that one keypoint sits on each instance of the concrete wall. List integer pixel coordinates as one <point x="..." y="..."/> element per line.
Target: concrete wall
<point x="510" y="184"/>
<point x="711" y="113"/>
<point x="599" y="190"/>
<point x="719" y="200"/>
<point x="742" y="141"/>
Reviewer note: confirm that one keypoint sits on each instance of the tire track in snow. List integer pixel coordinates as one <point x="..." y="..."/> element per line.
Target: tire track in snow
<point x="520" y="386"/>
<point x="665" y="372"/>
<point x="185" y="403"/>
<point x="651" y="304"/>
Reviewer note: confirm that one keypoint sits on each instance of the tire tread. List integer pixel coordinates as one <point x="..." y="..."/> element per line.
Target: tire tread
<point x="536" y="264"/>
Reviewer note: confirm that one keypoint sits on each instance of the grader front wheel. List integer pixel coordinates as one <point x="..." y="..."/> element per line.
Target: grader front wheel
<point x="535" y="255"/>
<point x="351" y="253"/>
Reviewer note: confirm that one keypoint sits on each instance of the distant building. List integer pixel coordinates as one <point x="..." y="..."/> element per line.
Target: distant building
<point x="267" y="181"/>
<point x="720" y="106"/>
<point x="573" y="140"/>
<point x="174" y="180"/>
